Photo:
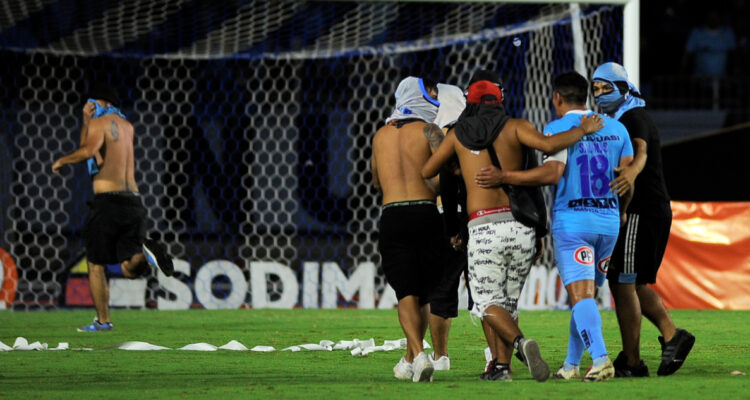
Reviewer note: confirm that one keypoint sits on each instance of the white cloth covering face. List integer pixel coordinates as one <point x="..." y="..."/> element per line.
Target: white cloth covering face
<point x="452" y="104"/>
<point x="413" y="102"/>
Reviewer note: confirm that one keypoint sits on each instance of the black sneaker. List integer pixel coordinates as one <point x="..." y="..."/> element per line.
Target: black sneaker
<point x="530" y="352"/>
<point x="157" y="257"/>
<point x="623" y="370"/>
<point x="488" y="369"/>
<point x="499" y="372"/>
<point x="674" y="352"/>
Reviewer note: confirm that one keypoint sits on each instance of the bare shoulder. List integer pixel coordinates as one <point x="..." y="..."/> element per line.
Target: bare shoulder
<point x="122" y="122"/>
<point x="520" y="123"/>
<point x="513" y="126"/>
<point x="432" y="128"/>
<point x="383" y="131"/>
<point x="97" y="123"/>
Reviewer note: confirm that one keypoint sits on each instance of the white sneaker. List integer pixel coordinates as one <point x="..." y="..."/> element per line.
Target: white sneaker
<point x="441" y="364"/>
<point x="422" y="368"/>
<point x="600" y="373"/>
<point x="403" y="370"/>
<point x="562" y="373"/>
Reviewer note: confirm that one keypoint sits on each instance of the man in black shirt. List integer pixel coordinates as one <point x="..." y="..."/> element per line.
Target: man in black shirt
<point x="643" y="237"/>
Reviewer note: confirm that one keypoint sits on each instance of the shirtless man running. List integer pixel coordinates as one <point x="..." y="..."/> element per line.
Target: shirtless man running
<point x="115" y="228"/>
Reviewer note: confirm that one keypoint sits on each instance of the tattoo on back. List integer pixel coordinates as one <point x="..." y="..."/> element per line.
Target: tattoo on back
<point x="115" y="132"/>
<point x="434" y="135"/>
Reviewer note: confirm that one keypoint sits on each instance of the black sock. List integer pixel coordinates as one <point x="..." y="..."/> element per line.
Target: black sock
<point x="517" y="342"/>
<point x="502" y="366"/>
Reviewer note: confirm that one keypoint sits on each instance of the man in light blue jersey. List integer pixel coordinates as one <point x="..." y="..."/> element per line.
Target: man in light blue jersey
<point x="586" y="216"/>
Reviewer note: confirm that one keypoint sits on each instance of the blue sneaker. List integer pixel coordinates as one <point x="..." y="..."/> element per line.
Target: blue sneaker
<point x="96" y="327"/>
<point x="157" y="257"/>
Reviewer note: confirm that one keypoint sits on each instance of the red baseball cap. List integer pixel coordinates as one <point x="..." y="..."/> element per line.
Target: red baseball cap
<point x="484" y="92"/>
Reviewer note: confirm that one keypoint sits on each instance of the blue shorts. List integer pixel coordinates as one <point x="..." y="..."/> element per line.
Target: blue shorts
<point x="583" y="256"/>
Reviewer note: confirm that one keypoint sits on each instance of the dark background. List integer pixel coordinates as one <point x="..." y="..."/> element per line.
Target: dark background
<point x="701" y="162"/>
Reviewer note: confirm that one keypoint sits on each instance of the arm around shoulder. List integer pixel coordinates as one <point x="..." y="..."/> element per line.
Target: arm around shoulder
<point x="440" y="156"/>
<point x="547" y="174"/>
<point x="529" y="136"/>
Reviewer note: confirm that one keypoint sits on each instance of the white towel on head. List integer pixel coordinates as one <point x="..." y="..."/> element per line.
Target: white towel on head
<point x="413" y="102"/>
<point x="452" y="104"/>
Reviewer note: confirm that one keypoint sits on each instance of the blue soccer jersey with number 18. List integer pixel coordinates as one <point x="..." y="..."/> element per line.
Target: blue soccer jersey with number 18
<point x="583" y="201"/>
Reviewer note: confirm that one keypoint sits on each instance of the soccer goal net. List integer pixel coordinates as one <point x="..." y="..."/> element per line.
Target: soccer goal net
<point x="253" y="125"/>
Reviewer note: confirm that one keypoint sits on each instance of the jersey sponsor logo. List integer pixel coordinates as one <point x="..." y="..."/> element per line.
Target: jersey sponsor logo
<point x="584" y="255"/>
<point x="594" y="138"/>
<point x="603" y="265"/>
<point x="593" y="202"/>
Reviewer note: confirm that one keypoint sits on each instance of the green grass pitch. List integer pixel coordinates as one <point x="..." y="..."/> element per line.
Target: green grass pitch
<point x="721" y="347"/>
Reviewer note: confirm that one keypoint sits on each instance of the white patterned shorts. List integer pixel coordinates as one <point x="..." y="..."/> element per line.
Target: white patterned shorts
<point x="501" y="251"/>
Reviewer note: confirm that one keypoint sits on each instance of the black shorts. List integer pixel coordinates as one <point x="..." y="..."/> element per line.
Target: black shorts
<point x="411" y="244"/>
<point x="640" y="249"/>
<point x="115" y="227"/>
<point x="444" y="298"/>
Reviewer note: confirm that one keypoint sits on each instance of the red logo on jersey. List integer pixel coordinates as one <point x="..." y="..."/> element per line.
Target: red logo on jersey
<point x="603" y="265"/>
<point x="584" y="255"/>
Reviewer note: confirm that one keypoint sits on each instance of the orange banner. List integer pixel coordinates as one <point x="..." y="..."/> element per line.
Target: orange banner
<point x="707" y="262"/>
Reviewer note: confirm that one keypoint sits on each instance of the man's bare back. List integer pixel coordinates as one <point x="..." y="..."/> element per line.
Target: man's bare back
<point x="508" y="150"/>
<point x="398" y="157"/>
<point x="117" y="173"/>
<point x="111" y="138"/>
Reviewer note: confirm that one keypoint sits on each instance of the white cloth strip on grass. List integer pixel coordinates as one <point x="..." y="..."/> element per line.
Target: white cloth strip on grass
<point x="316" y="347"/>
<point x="324" y="345"/>
<point x="388" y="345"/>
<point x="263" y="349"/>
<point x="344" y="345"/>
<point x="22" y="344"/>
<point x="398" y="344"/>
<point x="373" y="349"/>
<point x="61" y="346"/>
<point x="355" y="346"/>
<point x="140" y="346"/>
<point x="234" y="346"/>
<point x="199" y="347"/>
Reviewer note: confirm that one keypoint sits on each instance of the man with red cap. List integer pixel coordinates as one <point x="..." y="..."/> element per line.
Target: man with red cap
<point x="501" y="249"/>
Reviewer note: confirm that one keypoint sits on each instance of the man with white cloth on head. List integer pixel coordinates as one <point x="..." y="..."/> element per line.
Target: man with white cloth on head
<point x="410" y="240"/>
